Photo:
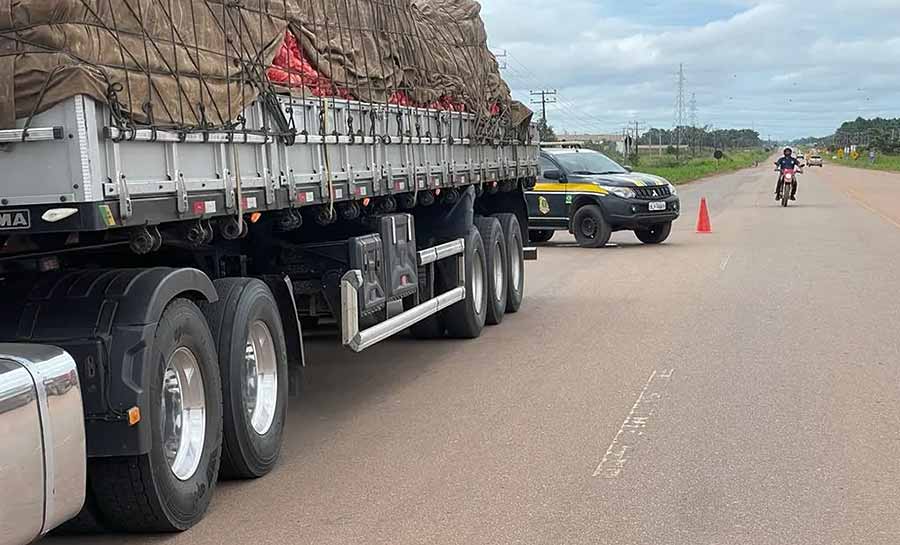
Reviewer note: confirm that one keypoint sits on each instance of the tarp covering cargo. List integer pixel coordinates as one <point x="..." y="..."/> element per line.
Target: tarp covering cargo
<point x="193" y="64"/>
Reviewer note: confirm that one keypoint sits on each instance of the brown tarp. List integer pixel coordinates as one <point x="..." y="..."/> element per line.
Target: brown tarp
<point x="190" y="63"/>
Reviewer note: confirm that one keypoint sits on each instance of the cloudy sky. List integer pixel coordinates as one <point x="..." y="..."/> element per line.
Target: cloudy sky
<point x="787" y="68"/>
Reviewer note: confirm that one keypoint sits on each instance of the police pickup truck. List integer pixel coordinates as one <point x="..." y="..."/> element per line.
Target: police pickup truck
<point x="590" y="195"/>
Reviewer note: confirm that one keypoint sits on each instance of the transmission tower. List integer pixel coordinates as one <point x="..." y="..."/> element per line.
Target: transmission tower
<point x="693" y="107"/>
<point x="680" y="105"/>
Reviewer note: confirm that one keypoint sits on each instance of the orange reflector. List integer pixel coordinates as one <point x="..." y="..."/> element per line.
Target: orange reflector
<point x="134" y="416"/>
<point x="254" y="217"/>
<point x="366" y="201"/>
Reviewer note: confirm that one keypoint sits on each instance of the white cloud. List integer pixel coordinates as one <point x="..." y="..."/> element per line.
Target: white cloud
<point x="789" y="68"/>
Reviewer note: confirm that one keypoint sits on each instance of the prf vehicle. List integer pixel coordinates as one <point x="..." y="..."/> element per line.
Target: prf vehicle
<point x="590" y="195"/>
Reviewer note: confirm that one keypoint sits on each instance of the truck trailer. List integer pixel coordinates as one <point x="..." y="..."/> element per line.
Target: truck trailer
<point x="157" y="276"/>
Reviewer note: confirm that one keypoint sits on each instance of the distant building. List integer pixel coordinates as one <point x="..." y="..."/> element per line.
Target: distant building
<point x="597" y="139"/>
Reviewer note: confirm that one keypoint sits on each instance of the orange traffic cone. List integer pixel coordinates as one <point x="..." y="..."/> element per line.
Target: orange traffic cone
<point x="703" y="225"/>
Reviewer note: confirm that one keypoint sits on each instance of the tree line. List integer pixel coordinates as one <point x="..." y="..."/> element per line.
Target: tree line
<point x="879" y="134"/>
<point x="702" y="137"/>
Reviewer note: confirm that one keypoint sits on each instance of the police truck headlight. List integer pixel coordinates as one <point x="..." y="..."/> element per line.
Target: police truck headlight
<point x="623" y="192"/>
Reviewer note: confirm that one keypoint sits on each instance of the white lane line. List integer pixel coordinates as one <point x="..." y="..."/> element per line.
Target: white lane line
<point x="724" y="264"/>
<point x="632" y="429"/>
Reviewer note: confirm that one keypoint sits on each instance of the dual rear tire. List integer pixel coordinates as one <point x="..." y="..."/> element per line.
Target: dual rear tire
<point x="217" y="400"/>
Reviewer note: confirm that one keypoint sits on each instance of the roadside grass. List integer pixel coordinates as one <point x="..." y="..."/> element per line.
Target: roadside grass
<point x="889" y="163"/>
<point x="689" y="170"/>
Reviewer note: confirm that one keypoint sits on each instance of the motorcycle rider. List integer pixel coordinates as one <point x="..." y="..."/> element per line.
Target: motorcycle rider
<point x="791" y="163"/>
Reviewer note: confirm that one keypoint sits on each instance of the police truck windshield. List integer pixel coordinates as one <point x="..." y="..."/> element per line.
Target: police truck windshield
<point x="588" y="163"/>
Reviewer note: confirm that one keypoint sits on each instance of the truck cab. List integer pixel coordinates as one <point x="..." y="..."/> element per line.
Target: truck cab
<point x="590" y="195"/>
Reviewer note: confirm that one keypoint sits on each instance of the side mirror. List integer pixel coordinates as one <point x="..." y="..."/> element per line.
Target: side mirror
<point x="552" y="174"/>
<point x="629" y="168"/>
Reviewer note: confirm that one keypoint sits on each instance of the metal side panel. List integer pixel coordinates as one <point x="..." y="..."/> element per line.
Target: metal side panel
<point x="344" y="150"/>
<point x="48" y="171"/>
<point x="58" y="397"/>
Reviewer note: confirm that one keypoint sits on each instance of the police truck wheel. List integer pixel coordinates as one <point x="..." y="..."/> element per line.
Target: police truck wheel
<point x="540" y="235"/>
<point x="657" y="234"/>
<point x="497" y="261"/>
<point x="515" y="255"/>
<point x="169" y="489"/>
<point x="253" y="364"/>
<point x="466" y="319"/>
<point x="591" y="229"/>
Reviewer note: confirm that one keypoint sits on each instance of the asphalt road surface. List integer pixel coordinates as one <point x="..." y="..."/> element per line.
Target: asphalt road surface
<point x="741" y="387"/>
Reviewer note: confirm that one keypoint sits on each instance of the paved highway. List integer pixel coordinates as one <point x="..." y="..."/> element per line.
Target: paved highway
<point x="733" y="388"/>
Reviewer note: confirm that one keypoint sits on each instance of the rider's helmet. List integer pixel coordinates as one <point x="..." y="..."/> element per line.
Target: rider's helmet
<point x="788" y="152"/>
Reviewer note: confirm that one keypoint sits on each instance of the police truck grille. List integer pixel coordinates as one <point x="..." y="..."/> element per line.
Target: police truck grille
<point x="651" y="193"/>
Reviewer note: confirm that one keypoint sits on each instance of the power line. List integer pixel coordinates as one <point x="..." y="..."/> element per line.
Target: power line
<point x="566" y="106"/>
<point x="564" y="110"/>
<point x="547" y="97"/>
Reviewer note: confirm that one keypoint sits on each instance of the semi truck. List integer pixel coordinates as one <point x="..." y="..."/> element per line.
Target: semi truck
<point x="156" y="281"/>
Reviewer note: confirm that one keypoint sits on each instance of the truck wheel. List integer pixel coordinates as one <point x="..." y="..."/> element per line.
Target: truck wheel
<point x="253" y="365"/>
<point x="497" y="261"/>
<point x="515" y="254"/>
<point x="540" y="235"/>
<point x="656" y="234"/>
<point x="429" y="328"/>
<point x="591" y="229"/>
<point x="169" y="489"/>
<point x="465" y="319"/>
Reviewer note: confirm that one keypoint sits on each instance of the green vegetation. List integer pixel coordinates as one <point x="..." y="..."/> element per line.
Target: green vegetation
<point x="690" y="169"/>
<point x="889" y="163"/>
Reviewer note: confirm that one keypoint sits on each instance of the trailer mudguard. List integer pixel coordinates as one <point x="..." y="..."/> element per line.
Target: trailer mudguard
<point x="106" y="319"/>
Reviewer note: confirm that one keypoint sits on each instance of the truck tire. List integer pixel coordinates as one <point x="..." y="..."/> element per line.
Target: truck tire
<point x="657" y="234"/>
<point x="169" y="488"/>
<point x="497" y="261"/>
<point x="590" y="227"/>
<point x="87" y="521"/>
<point x="540" y="235"/>
<point x="249" y="336"/>
<point x="466" y="319"/>
<point x="515" y="254"/>
<point x="432" y="327"/>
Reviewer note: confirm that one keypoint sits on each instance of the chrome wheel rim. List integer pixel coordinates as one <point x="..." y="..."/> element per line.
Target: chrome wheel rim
<point x="183" y="415"/>
<point x="259" y="387"/>
<point x="498" y="272"/>
<point x="477" y="282"/>
<point x="515" y="265"/>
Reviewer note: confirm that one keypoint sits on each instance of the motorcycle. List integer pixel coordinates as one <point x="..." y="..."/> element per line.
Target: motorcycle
<point x="786" y="184"/>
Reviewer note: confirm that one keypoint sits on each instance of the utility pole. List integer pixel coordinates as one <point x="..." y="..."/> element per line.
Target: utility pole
<point x="637" y="137"/>
<point x="501" y="59"/>
<point x="679" y="109"/>
<point x="546" y="97"/>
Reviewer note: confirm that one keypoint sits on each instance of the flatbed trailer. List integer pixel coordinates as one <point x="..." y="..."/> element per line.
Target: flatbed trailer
<point x="178" y="268"/>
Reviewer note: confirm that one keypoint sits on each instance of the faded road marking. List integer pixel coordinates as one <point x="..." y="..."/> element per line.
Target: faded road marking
<point x="725" y="262"/>
<point x="632" y="430"/>
<point x="860" y="201"/>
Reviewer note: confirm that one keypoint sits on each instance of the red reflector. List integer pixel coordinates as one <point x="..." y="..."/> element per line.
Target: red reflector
<point x="199" y="207"/>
